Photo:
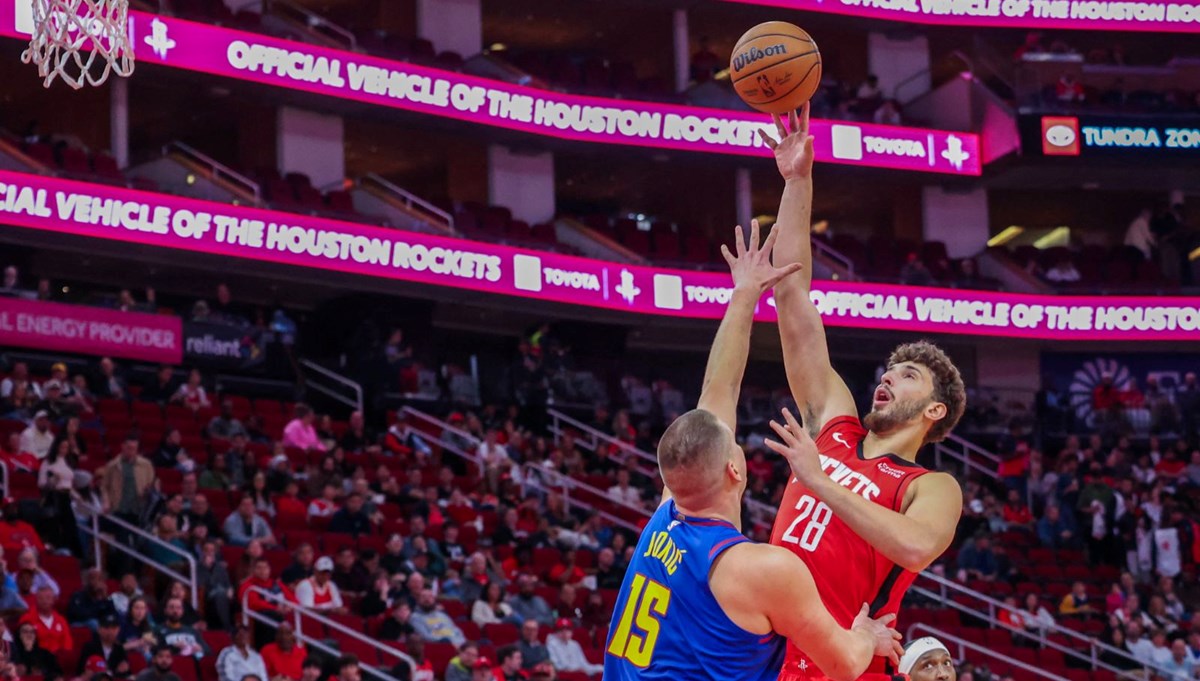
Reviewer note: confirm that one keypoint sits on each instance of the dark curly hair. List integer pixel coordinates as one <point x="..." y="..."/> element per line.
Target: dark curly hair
<point x="948" y="385"/>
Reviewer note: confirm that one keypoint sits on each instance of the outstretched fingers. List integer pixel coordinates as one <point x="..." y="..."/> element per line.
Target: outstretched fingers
<point x="739" y="244"/>
<point x="784" y="272"/>
<point x="779" y="126"/>
<point x="784" y="434"/>
<point x="767" y="139"/>
<point x="769" y="244"/>
<point x="728" y="256"/>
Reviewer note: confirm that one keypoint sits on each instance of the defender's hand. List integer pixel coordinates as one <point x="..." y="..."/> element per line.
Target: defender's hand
<point x="798" y="448"/>
<point x="751" y="267"/>
<point x="793" y="150"/>
<point x="887" y="639"/>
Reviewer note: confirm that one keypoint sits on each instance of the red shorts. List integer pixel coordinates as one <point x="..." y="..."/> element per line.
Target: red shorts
<point x="797" y="675"/>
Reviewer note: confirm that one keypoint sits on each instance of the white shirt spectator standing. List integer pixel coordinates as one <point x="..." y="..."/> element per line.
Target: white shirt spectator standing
<point x="319" y="592"/>
<point x="495" y="459"/>
<point x="37" y="438"/>
<point x="1139" y="235"/>
<point x="240" y="660"/>
<point x="565" y="652"/>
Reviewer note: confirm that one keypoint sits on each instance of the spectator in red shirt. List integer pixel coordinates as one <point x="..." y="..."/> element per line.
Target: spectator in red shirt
<point x="289" y="504"/>
<point x="1069" y="89"/>
<point x="1015" y="512"/>
<point x="54" y="634"/>
<point x="261" y="578"/>
<point x="1105" y="395"/>
<point x="1170" y="467"/>
<point x="1132" y="397"/>
<point x="284" y="658"/>
<point x="567" y="572"/>
<point x="16" y="534"/>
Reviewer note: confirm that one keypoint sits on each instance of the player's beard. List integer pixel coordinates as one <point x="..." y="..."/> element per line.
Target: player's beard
<point x="894" y="415"/>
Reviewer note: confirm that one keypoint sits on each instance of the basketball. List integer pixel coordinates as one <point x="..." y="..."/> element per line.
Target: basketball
<point x="775" y="67"/>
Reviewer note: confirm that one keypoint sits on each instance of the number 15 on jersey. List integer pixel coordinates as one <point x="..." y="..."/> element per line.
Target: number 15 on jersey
<point x="640" y="623"/>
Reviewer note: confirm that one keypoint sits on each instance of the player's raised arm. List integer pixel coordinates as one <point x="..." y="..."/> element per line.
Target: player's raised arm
<point x="912" y="539"/>
<point x="753" y="274"/>
<point x="816" y="387"/>
<point x="776" y="582"/>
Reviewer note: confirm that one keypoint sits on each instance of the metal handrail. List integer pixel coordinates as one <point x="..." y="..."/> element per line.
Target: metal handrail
<point x="964" y="645"/>
<point x="356" y="403"/>
<point x="219" y="170"/>
<point x="596" y="437"/>
<point x="940" y="450"/>
<point x="536" y="476"/>
<point x="99" y="537"/>
<point x="834" y="254"/>
<point x="964" y="453"/>
<point x="422" y="416"/>
<point x="957" y="54"/>
<point x="409" y="199"/>
<point x="972" y="448"/>
<point x="299" y="612"/>
<point x="315" y="21"/>
<point x="945" y="586"/>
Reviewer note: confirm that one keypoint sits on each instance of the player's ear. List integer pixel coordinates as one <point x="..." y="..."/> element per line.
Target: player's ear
<point x="936" y="411"/>
<point x="732" y="471"/>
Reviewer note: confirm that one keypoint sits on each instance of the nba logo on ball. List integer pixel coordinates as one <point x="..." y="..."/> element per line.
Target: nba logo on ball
<point x="775" y="67"/>
<point x="1060" y="136"/>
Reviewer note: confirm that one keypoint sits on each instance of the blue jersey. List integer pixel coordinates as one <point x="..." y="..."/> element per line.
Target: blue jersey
<point x="668" y="625"/>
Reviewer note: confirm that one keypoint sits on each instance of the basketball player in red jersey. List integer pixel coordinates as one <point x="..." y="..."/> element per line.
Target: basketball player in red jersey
<point x="863" y="515"/>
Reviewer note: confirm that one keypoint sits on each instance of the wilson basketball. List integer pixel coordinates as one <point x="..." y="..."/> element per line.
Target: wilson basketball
<point x="775" y="67"/>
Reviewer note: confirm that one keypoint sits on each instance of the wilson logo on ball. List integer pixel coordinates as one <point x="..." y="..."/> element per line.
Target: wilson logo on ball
<point x="753" y="54"/>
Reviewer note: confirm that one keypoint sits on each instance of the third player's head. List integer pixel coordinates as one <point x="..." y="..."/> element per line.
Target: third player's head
<point x="921" y="386"/>
<point x="700" y="460"/>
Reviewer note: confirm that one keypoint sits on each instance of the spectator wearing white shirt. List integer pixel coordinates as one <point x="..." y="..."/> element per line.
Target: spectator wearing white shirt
<point x="37" y="438"/>
<point x="240" y="660"/>
<point x="565" y="652"/>
<point x="19" y="376"/>
<point x="1139" y="235"/>
<point x="319" y="592"/>
<point x="1142" y="648"/>
<point x="496" y="461"/>
<point x="1161" y="652"/>
<point x="623" y="492"/>
<point x="1181" y="665"/>
<point x="325" y="505"/>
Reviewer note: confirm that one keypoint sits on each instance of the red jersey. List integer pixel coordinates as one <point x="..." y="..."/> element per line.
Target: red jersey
<point x="808" y="527"/>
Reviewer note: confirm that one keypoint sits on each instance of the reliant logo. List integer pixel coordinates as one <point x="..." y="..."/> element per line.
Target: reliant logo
<point x="753" y="54"/>
<point x="888" y="470"/>
<point x="158" y="40"/>
<point x="568" y="279"/>
<point x="211" y="346"/>
<point x="627" y="289"/>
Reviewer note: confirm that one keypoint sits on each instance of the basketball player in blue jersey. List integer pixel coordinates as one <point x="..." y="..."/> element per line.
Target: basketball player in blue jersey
<point x="699" y="600"/>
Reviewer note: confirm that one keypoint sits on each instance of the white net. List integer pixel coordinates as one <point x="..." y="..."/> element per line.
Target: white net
<point x="80" y="41"/>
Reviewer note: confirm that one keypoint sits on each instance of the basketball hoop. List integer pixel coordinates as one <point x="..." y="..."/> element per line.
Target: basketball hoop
<point x="80" y="41"/>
